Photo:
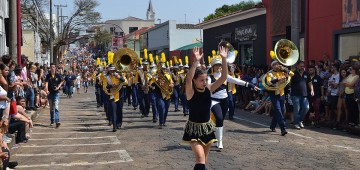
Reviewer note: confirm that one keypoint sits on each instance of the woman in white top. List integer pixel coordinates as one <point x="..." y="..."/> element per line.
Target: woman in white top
<point x="219" y="104"/>
<point x="351" y="104"/>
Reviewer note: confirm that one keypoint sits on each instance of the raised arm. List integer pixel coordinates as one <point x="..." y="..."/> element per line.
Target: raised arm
<point x="241" y="82"/>
<point x="224" y="73"/>
<point x="188" y="85"/>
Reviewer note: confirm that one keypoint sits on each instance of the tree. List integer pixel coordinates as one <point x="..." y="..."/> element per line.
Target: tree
<point x="226" y="9"/>
<point x="102" y="38"/>
<point x="83" y="14"/>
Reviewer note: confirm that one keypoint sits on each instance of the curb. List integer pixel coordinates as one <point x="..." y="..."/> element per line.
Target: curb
<point x="33" y="115"/>
<point x="347" y="128"/>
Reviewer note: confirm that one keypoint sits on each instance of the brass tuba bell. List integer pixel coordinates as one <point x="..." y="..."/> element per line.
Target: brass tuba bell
<point x="287" y="54"/>
<point x="125" y="60"/>
<point x="231" y="53"/>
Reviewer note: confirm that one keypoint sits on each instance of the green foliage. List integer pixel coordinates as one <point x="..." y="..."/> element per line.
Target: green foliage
<point x="226" y="9"/>
<point x="102" y="37"/>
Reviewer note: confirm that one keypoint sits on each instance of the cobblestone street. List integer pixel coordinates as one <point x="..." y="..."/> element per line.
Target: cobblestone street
<point x="84" y="141"/>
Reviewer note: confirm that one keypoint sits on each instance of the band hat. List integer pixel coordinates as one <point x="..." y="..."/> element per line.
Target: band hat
<point x="163" y="65"/>
<point x="145" y="62"/>
<point x="152" y="64"/>
<point x="274" y="62"/>
<point x="215" y="61"/>
<point x="112" y="68"/>
<point x="186" y="66"/>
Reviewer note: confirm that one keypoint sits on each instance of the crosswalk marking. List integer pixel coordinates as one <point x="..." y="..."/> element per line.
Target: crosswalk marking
<point x="75" y="127"/>
<point x="68" y="145"/>
<point x="124" y="157"/>
<point x="79" y="138"/>
<point x="67" y="154"/>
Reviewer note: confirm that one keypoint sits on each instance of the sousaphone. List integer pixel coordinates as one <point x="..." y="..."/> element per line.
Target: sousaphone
<point x="125" y="60"/>
<point x="286" y="53"/>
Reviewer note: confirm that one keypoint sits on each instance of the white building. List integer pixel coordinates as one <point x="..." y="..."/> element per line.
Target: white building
<point x="121" y="27"/>
<point x="170" y="36"/>
<point x="3" y="14"/>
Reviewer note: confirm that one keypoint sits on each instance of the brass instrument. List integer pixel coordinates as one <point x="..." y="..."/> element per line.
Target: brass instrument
<point x="125" y="61"/>
<point x="153" y="71"/>
<point x="161" y="81"/>
<point x="287" y="54"/>
<point x="145" y="84"/>
<point x="231" y="53"/>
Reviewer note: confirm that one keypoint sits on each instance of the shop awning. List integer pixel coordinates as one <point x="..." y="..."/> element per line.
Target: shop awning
<point x="191" y="46"/>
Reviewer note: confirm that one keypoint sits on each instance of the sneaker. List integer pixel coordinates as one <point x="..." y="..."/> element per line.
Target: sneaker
<point x="301" y="125"/>
<point x="6" y="139"/>
<point x="58" y="124"/>
<point x="297" y="127"/>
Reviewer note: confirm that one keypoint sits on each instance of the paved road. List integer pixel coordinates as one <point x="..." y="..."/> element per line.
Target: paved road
<point x="84" y="141"/>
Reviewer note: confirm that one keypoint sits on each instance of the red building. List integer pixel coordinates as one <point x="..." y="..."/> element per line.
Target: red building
<point x="327" y="30"/>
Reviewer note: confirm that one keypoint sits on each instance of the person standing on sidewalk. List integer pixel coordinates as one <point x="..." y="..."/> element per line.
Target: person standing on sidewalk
<point x="199" y="129"/>
<point x="314" y="101"/>
<point x="351" y="104"/>
<point x="54" y="82"/>
<point x="299" y="85"/>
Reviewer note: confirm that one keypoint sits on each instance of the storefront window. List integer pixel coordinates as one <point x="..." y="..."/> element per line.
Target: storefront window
<point x="246" y="54"/>
<point x="349" y="45"/>
<point x="248" y="49"/>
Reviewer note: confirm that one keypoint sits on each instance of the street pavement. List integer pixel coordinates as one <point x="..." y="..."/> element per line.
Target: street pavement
<point x="85" y="141"/>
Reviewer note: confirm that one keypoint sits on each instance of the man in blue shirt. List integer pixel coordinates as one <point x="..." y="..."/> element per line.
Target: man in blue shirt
<point x="69" y="79"/>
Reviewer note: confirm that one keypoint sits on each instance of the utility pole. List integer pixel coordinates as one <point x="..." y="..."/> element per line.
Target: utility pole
<point x="51" y="35"/>
<point x="13" y="27"/>
<point x="59" y="20"/>
<point x="19" y="31"/>
<point x="295" y="22"/>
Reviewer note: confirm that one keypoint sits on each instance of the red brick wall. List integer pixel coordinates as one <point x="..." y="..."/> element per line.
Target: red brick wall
<point x="280" y="16"/>
<point x="324" y="18"/>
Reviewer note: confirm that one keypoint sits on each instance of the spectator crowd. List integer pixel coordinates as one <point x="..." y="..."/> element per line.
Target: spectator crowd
<point x="335" y="101"/>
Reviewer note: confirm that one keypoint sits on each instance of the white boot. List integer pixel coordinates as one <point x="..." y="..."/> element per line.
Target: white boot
<point x="219" y="135"/>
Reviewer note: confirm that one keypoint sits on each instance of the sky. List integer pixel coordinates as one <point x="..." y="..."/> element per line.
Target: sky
<point x="183" y="11"/>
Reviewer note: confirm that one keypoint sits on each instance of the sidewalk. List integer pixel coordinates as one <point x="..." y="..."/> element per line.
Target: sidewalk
<point x="328" y="125"/>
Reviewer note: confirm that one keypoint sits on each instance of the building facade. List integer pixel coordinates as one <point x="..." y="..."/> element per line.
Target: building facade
<point x="327" y="31"/>
<point x="3" y="14"/>
<point x="122" y="27"/>
<point x="133" y="40"/>
<point x="245" y="30"/>
<point x="168" y="37"/>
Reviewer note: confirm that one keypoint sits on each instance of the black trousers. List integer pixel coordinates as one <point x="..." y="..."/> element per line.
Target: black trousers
<point x="18" y="126"/>
<point x="219" y="110"/>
